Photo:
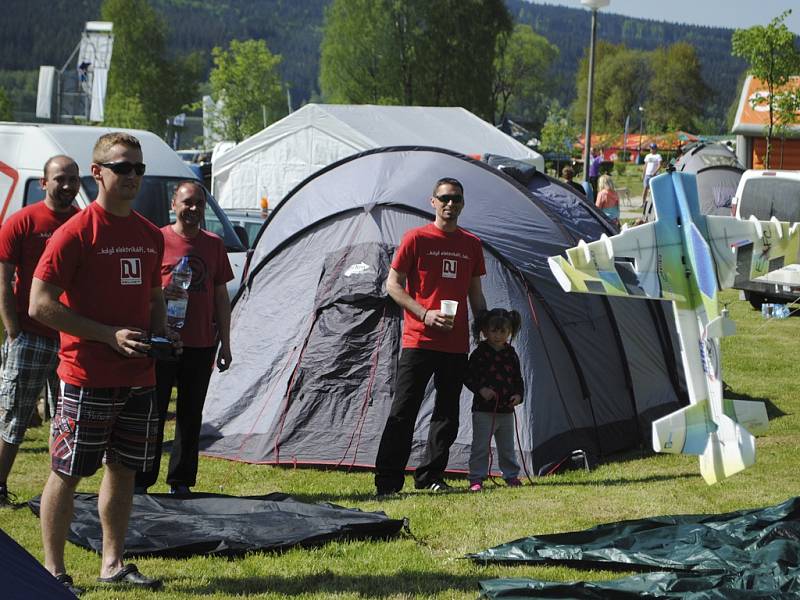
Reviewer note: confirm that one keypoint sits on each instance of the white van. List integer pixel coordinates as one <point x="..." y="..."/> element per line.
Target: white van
<point x="25" y="147"/>
<point x="768" y="194"/>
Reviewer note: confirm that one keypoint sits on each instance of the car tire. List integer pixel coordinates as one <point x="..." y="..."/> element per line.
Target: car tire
<point x="755" y="300"/>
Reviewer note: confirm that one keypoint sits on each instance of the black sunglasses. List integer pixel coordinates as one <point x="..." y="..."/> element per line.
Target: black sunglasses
<point x="125" y="167"/>
<point x="454" y="198"/>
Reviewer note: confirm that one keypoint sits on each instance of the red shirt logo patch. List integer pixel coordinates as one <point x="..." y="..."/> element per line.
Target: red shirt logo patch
<point x="449" y="268"/>
<point x="130" y="271"/>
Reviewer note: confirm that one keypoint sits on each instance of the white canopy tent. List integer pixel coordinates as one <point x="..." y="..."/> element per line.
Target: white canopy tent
<point x="272" y="162"/>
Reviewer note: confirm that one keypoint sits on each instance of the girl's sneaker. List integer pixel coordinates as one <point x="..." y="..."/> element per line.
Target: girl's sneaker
<point x="475" y="486"/>
<point x="513" y="482"/>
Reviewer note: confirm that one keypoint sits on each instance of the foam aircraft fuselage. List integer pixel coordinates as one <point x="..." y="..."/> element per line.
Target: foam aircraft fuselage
<point x="686" y="257"/>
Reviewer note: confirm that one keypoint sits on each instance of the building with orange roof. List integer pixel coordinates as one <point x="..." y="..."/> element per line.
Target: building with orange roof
<point x="750" y="127"/>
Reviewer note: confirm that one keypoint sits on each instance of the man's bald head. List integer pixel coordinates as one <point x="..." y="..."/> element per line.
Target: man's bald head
<point x="62" y="159"/>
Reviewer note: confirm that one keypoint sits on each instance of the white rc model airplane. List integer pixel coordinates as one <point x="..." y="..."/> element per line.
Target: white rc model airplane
<point x="686" y="257"/>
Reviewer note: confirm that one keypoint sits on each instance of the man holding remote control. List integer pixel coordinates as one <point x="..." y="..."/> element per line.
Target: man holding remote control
<point x="106" y="261"/>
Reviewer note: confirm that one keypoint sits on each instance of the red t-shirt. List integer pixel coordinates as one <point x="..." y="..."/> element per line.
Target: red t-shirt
<point x="210" y="268"/>
<point x="22" y="240"/>
<point x="439" y="265"/>
<point x="107" y="266"/>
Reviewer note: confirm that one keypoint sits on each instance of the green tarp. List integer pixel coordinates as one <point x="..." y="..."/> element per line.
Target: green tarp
<point x="744" y="554"/>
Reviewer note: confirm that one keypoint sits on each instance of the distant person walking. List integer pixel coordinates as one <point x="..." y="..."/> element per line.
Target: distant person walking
<point x="652" y="165"/>
<point x="208" y="317"/>
<point x="30" y="349"/>
<point x="608" y="200"/>
<point x="594" y="170"/>
<point x="568" y="174"/>
<point x="436" y="262"/>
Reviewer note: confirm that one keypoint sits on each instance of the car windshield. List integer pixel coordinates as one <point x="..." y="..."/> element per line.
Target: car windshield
<point x="154" y="202"/>
<point x="767" y="197"/>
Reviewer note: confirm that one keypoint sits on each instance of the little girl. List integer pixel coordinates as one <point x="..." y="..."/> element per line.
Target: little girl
<point x="494" y="376"/>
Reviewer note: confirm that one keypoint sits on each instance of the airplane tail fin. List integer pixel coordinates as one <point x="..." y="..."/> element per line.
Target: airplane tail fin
<point x="750" y="415"/>
<point x="725" y="444"/>
<point x="730" y="449"/>
<point x="684" y="431"/>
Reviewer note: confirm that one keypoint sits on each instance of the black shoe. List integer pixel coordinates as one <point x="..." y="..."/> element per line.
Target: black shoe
<point x="386" y="493"/>
<point x="180" y="490"/>
<point x="67" y="582"/>
<point x="7" y="499"/>
<point x="139" y="489"/>
<point x="129" y="575"/>
<point x="436" y="486"/>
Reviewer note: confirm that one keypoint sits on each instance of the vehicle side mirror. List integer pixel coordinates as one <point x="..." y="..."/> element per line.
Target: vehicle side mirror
<point x="241" y="233"/>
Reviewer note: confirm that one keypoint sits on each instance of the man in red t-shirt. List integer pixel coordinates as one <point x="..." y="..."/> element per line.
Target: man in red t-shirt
<point x="436" y="262"/>
<point x="99" y="284"/>
<point x="30" y="350"/>
<point x="208" y="316"/>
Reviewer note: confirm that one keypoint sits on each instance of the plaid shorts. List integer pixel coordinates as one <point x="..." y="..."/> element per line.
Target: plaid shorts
<point x="28" y="363"/>
<point x="111" y="425"/>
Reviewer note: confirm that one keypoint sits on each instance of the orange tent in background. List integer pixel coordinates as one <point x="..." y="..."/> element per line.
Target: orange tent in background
<point x="612" y="144"/>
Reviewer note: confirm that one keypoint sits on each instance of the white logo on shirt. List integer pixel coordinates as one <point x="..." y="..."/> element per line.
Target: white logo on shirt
<point x="130" y="271"/>
<point x="449" y="268"/>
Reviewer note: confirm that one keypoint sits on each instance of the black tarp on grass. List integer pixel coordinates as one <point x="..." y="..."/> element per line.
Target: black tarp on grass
<point x="744" y="554"/>
<point x="215" y="524"/>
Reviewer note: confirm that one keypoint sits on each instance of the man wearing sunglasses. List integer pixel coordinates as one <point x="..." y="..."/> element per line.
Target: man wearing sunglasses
<point x="436" y="262"/>
<point x="106" y="262"/>
<point x="30" y="350"/>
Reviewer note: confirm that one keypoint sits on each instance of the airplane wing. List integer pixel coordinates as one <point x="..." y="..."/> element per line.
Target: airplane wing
<point x="775" y="245"/>
<point x="626" y="264"/>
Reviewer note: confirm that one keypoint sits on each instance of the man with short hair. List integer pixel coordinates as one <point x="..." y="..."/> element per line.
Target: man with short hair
<point x="436" y="262"/>
<point x="106" y="262"/>
<point x="30" y="350"/>
<point x="208" y="317"/>
<point x="652" y="165"/>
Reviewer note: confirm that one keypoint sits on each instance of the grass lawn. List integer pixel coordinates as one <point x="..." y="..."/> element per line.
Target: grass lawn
<point x="759" y="362"/>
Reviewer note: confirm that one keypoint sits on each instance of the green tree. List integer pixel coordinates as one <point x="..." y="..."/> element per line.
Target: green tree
<point x="356" y="61"/>
<point x="245" y="78"/>
<point x="413" y="52"/>
<point x="522" y="69"/>
<point x="770" y="50"/>
<point x="6" y="114"/>
<point x="558" y="135"/>
<point x="456" y="55"/>
<point x="144" y="87"/>
<point x="676" y="94"/>
<point x="620" y="80"/>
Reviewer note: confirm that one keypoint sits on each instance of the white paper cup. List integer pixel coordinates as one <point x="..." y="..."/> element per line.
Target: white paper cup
<point x="449" y="308"/>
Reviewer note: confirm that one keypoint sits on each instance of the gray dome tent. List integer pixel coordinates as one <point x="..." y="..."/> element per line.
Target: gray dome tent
<point x="718" y="173"/>
<point x="316" y="338"/>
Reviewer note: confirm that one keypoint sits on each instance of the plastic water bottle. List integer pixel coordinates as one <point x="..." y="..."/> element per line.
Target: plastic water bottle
<point x="780" y="311"/>
<point x="181" y="279"/>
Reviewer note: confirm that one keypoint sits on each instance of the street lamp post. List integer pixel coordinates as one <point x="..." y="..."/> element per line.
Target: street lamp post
<point x="641" y="130"/>
<point x="587" y="139"/>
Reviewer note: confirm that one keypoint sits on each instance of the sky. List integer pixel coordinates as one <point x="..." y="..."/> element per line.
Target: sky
<point x="733" y="14"/>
